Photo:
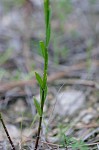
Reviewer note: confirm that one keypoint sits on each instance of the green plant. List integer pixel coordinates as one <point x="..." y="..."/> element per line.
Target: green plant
<point x="42" y="81"/>
<point x="68" y="141"/>
<point x="61" y="135"/>
<point x="74" y="143"/>
<point x="78" y="144"/>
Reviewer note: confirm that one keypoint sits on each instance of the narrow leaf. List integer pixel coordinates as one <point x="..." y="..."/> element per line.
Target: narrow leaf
<point x="45" y="92"/>
<point x="40" y="93"/>
<point x="46" y="7"/>
<point x="48" y="16"/>
<point x="47" y="21"/>
<point x="39" y="79"/>
<point x="37" y="105"/>
<point x="34" y="119"/>
<point x="48" y="33"/>
<point x="44" y="80"/>
<point x="46" y="61"/>
<point x="42" y="46"/>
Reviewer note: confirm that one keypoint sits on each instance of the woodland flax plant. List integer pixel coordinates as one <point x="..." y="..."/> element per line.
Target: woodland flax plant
<point x="42" y="81"/>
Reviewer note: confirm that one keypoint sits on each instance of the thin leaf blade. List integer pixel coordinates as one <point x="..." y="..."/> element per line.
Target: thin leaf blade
<point x="44" y="80"/>
<point x="46" y="7"/>
<point x="39" y="79"/>
<point x="37" y="105"/>
<point x="45" y="92"/>
<point x="48" y="34"/>
<point x="40" y="93"/>
<point x="47" y="21"/>
<point x="42" y="46"/>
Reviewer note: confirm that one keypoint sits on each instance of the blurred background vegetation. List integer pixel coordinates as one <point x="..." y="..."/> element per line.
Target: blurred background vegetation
<point x="75" y="29"/>
<point x="74" y="48"/>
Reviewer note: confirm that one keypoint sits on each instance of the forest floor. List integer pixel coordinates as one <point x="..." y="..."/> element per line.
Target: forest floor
<point x="71" y="112"/>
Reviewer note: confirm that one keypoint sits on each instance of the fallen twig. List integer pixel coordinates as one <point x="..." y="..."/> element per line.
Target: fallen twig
<point x="94" y="125"/>
<point x="6" y="131"/>
<point x="51" y="78"/>
<point x="89" y="83"/>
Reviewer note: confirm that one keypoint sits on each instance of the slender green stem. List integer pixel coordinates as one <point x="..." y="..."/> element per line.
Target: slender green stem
<point x="42" y="102"/>
<point x="43" y="81"/>
<point x="38" y="134"/>
<point x="40" y="123"/>
<point x="6" y="131"/>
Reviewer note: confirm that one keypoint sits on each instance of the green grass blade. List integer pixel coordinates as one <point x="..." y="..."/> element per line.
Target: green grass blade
<point x="35" y="118"/>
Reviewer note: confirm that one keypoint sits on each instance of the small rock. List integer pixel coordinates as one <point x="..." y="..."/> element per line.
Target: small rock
<point x="19" y="106"/>
<point x="13" y="131"/>
<point x="68" y="102"/>
<point x="27" y="132"/>
<point x="86" y="119"/>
